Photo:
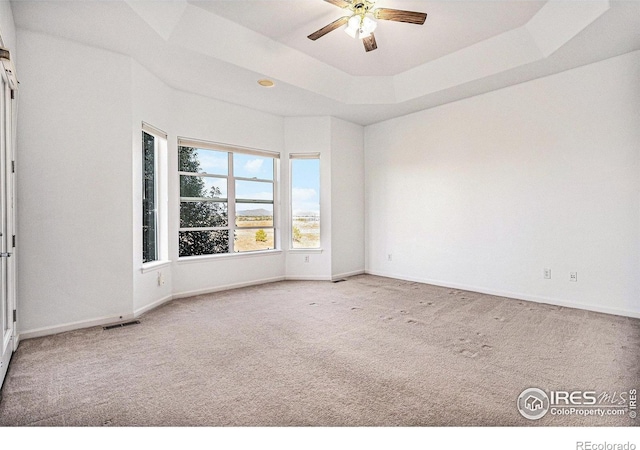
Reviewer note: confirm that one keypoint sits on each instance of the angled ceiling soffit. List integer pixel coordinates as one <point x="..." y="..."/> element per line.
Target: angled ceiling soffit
<point x="162" y="16"/>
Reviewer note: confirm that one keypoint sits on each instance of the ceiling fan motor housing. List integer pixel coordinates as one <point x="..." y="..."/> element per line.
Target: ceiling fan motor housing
<point x="361" y="8"/>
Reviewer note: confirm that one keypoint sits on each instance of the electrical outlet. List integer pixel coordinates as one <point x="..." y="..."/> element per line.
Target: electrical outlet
<point x="547" y="274"/>
<point x="160" y="279"/>
<point x="573" y="276"/>
<point x="389" y="257"/>
<point x="306" y="258"/>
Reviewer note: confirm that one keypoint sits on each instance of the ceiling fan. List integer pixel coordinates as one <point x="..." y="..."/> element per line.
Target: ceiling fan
<point x="360" y="23"/>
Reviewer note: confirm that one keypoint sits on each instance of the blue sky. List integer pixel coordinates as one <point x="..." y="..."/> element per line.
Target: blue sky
<point x="305" y="173"/>
<point x="212" y="162"/>
<point x="305" y="185"/>
<point x="249" y="166"/>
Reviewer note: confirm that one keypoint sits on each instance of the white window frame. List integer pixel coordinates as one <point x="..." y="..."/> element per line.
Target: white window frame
<point x="292" y="157"/>
<point x="161" y="193"/>
<point x="231" y="199"/>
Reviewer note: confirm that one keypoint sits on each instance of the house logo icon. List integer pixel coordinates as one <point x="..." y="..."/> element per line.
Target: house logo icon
<point x="533" y="403"/>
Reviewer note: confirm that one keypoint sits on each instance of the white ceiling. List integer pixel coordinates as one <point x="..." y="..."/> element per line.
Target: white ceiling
<point x="220" y="48"/>
<point x="450" y="26"/>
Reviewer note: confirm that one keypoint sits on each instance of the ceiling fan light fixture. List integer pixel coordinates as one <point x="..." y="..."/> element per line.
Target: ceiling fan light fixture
<point x="368" y="26"/>
<point x="360" y="26"/>
<point x="353" y="26"/>
<point x="359" y="21"/>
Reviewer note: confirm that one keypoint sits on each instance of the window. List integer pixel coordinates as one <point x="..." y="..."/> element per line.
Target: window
<point x="226" y="199"/>
<point x="154" y="194"/>
<point x="149" y="200"/>
<point x="154" y="214"/>
<point x="305" y="200"/>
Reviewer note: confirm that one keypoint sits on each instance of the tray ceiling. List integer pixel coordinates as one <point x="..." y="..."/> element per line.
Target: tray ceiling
<point x="221" y="48"/>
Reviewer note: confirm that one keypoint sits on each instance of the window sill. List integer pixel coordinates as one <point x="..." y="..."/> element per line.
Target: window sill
<point x="208" y="258"/>
<point x="154" y="265"/>
<point x="305" y="250"/>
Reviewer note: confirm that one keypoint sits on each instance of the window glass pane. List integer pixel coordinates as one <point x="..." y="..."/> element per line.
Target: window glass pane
<point x="198" y="160"/>
<point x="202" y="187"/>
<point x="254" y="190"/>
<point x="249" y="166"/>
<point x="305" y="203"/>
<point x="306" y="232"/>
<point x="203" y="215"/>
<point x="253" y="240"/>
<point x="254" y="215"/>
<point x="149" y="215"/>
<point x="194" y="243"/>
<point x="254" y="219"/>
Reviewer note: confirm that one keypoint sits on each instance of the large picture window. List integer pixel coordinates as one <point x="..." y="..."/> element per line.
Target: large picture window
<point x="305" y="200"/>
<point x="227" y="198"/>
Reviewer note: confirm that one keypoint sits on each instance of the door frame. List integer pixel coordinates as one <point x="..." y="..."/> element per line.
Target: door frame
<point x="7" y="177"/>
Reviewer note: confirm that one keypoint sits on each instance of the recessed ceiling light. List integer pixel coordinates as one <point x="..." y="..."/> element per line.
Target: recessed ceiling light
<point x="266" y="83"/>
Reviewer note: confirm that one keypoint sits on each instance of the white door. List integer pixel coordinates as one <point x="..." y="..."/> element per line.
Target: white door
<point x="7" y="264"/>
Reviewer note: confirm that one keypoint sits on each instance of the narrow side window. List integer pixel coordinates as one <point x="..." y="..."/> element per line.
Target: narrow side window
<point x="305" y="200"/>
<point x="149" y="199"/>
<point x="154" y="195"/>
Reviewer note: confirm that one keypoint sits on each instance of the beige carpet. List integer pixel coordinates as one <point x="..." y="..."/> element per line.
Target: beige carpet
<point x="367" y="351"/>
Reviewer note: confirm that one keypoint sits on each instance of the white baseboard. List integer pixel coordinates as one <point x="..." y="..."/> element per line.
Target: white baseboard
<point x="515" y="295"/>
<point x="226" y="287"/>
<point x="347" y="274"/>
<point x="140" y="311"/>
<point x="46" y="331"/>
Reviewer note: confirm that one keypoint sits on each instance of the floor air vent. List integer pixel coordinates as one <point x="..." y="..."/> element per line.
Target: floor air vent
<point x="338" y="281"/>
<point x="120" y="325"/>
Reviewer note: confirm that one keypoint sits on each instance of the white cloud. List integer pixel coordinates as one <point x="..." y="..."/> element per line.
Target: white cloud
<point x="305" y="201"/>
<point x="208" y="160"/>
<point x="302" y="194"/>
<point x="253" y="165"/>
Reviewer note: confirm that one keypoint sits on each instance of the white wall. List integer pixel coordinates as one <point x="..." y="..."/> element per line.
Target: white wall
<point x="206" y="119"/>
<point x="151" y="103"/>
<point x="74" y="183"/>
<point x="79" y="183"/>
<point x="487" y="207"/>
<point x="341" y="148"/>
<point x="486" y="192"/>
<point x="347" y="198"/>
<point x="193" y="116"/>
<point x="309" y="135"/>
